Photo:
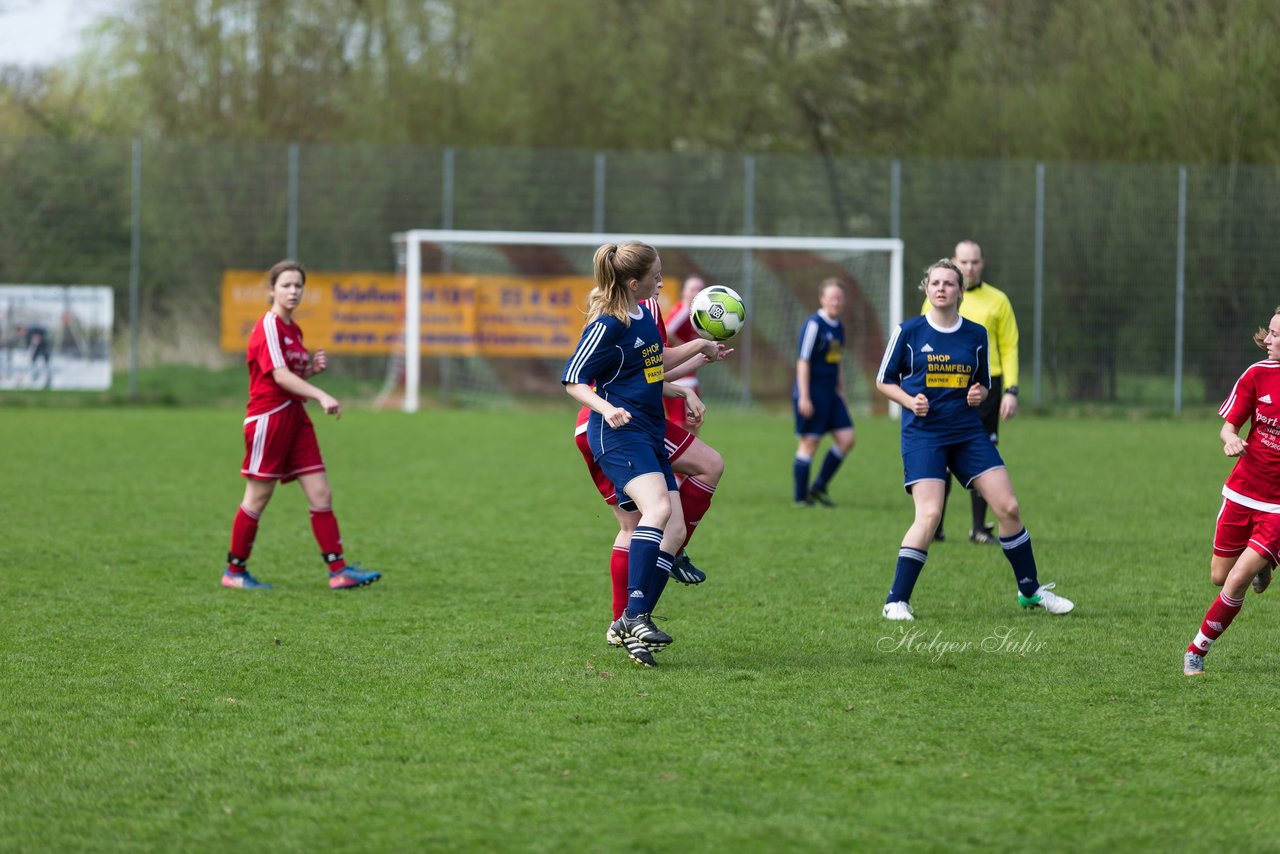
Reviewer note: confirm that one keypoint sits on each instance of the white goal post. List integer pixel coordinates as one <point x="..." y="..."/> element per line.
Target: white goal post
<point x="734" y="255"/>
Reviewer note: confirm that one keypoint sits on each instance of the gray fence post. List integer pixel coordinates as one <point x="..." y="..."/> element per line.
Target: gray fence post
<point x="748" y="265"/>
<point x="597" y="219"/>
<point x="135" y="264"/>
<point x="1037" y="357"/>
<point x="895" y="199"/>
<point x="291" y="238"/>
<point x="446" y="259"/>
<point x="1180" y="291"/>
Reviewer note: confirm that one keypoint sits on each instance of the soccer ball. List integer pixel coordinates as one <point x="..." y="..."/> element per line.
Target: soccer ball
<point x="717" y="313"/>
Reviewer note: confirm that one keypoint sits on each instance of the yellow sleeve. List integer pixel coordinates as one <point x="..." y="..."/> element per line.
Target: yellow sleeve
<point x="1006" y="326"/>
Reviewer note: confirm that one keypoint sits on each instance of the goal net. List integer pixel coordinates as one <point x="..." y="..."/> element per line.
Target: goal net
<point x="491" y="316"/>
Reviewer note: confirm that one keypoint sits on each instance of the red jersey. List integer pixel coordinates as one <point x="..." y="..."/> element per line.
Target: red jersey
<point x="656" y="310"/>
<point x="273" y="344"/>
<point x="679" y="328"/>
<point x="1255" y="479"/>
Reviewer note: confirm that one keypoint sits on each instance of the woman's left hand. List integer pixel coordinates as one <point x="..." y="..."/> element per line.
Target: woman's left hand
<point x="714" y="351"/>
<point x="694" y="409"/>
<point x="977" y="394"/>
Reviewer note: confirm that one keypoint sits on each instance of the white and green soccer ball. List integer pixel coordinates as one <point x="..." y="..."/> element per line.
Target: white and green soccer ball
<point x="718" y="313"/>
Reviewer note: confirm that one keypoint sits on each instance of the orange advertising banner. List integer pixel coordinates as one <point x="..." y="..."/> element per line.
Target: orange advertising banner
<point x="363" y="313"/>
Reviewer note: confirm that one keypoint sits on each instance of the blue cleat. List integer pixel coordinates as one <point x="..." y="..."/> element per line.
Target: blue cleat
<point x="243" y="581"/>
<point x="352" y="576"/>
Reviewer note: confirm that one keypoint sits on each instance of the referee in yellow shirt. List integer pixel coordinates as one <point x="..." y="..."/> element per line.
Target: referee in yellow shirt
<point x="983" y="303"/>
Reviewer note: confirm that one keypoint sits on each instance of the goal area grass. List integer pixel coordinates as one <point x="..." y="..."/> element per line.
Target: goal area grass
<point x="468" y="700"/>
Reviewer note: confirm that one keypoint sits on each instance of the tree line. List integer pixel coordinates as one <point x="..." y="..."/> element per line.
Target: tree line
<point x="1128" y="80"/>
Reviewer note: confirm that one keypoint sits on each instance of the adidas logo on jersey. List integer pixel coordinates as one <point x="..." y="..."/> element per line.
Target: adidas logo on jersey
<point x="1266" y="398"/>
<point x="288" y="340"/>
<point x="639" y="343"/>
<point x="926" y="349"/>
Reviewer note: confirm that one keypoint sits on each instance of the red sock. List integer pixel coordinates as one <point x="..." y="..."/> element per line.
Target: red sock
<point x="325" y="526"/>
<point x="695" y="499"/>
<point x="1216" y="619"/>
<point x="243" y="531"/>
<point x="619" y="564"/>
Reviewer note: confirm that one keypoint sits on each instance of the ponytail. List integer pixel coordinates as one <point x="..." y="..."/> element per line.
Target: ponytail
<point x="616" y="265"/>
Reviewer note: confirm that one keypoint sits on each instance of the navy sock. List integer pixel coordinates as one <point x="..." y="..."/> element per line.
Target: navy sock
<point x="910" y="563"/>
<point x="1017" y="550"/>
<point x="660" y="579"/>
<point x="642" y="563"/>
<point x="830" y="465"/>
<point x="800" y="471"/>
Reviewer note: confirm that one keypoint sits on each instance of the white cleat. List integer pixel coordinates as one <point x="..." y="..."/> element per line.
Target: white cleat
<point x="1045" y="598"/>
<point x="898" y="611"/>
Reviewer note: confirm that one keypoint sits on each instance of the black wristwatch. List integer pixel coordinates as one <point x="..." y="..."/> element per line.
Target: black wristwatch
<point x="1013" y="390"/>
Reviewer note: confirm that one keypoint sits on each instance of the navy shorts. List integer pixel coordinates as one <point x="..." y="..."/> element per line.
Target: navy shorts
<point x="626" y="461"/>
<point x="966" y="460"/>
<point x="829" y="414"/>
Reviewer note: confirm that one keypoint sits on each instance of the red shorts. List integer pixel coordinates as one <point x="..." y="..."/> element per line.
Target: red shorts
<point x="280" y="445"/>
<point x="677" y="441"/>
<point x="1240" y="526"/>
<point x="674" y="407"/>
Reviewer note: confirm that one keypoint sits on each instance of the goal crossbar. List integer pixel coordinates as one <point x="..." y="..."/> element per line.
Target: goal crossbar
<point x="412" y="241"/>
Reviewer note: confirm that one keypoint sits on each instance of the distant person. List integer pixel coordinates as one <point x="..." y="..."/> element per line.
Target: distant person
<point x="819" y="397"/>
<point x="280" y="441"/>
<point x="35" y="338"/>
<point x="1246" y="544"/>
<point x="985" y="304"/>
<point x="935" y="368"/>
<point x="680" y="330"/>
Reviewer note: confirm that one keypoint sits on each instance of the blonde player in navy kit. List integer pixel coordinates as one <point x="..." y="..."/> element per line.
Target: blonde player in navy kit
<point x="935" y="367"/>
<point x="818" y="397"/>
<point x="621" y="351"/>
<point x="1246" y="544"/>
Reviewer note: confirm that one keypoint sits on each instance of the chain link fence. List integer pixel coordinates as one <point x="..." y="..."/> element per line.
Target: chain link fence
<point x="1135" y="285"/>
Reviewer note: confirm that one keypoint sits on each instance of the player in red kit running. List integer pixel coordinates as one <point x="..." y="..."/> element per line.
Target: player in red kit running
<point x="280" y="441"/>
<point x="1246" y="543"/>
<point x="679" y="328"/>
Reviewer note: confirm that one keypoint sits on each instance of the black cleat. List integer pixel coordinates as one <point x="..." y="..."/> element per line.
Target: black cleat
<point x="984" y="536"/>
<point x="641" y="628"/>
<point x="638" y="652"/>
<point x="820" y="496"/>
<point x="683" y="570"/>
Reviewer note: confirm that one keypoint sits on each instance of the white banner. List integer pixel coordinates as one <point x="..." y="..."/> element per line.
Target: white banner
<point x="55" y="337"/>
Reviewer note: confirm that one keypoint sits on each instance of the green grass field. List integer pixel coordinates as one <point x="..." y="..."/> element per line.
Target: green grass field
<point x="468" y="701"/>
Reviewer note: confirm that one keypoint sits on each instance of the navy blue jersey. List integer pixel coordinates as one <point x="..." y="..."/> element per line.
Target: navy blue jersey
<point x="624" y="362"/>
<point x="822" y="346"/>
<point x="941" y="363"/>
